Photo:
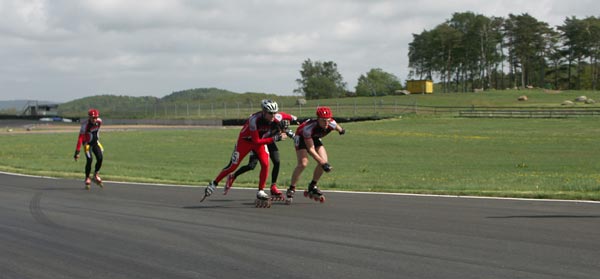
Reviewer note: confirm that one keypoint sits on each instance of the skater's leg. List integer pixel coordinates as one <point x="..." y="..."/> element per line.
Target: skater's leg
<point x="88" y="161"/>
<point x="252" y="162"/>
<point x="302" y="162"/>
<point x="274" y="154"/>
<point x="98" y="152"/>
<point x="318" y="169"/>
<point x="232" y="176"/>
<point x="263" y="158"/>
<point x="240" y="151"/>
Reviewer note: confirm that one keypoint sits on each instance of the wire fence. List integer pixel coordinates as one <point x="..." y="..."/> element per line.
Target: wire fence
<point x="349" y="110"/>
<point x="239" y="110"/>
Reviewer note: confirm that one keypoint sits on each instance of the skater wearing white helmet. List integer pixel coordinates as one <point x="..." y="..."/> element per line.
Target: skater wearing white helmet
<point x="280" y="124"/>
<point x="254" y="135"/>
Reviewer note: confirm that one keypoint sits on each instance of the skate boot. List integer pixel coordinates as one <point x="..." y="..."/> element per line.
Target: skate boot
<point x="314" y="193"/>
<point x="229" y="183"/>
<point x="276" y="195"/>
<point x="209" y="190"/>
<point x="88" y="181"/>
<point x="290" y="194"/>
<point x="262" y="199"/>
<point x="98" y="180"/>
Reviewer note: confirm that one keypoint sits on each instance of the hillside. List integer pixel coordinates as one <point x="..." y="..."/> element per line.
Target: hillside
<point x="140" y="107"/>
<point x="213" y="103"/>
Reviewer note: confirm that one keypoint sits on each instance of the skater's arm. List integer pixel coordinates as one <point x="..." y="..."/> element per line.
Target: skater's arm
<point x="289" y="117"/>
<point x="78" y="146"/>
<point x="340" y="130"/>
<point x="255" y="138"/>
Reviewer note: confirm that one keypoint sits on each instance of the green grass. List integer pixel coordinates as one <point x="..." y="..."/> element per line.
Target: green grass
<point x="536" y="158"/>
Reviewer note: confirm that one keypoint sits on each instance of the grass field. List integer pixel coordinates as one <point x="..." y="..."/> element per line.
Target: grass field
<point x="537" y="158"/>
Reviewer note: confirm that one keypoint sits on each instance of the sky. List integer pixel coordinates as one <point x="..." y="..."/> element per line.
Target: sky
<point x="62" y="50"/>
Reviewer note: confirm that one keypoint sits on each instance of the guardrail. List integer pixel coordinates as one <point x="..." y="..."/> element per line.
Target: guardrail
<point x="555" y="113"/>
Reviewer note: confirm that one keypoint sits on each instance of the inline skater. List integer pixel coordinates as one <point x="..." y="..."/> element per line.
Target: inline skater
<point x="89" y="135"/>
<point x="253" y="137"/>
<point x="307" y="141"/>
<point x="280" y="124"/>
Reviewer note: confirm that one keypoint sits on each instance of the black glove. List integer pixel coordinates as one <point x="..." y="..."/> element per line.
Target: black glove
<point x="284" y="124"/>
<point x="326" y="167"/>
<point x="342" y="132"/>
<point x="289" y="133"/>
<point x="277" y="138"/>
<point x="76" y="155"/>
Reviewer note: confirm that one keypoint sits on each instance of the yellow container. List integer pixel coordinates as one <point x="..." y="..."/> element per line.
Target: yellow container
<point x="419" y="86"/>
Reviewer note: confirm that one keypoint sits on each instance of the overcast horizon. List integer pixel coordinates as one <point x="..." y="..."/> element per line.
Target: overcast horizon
<point x="63" y="50"/>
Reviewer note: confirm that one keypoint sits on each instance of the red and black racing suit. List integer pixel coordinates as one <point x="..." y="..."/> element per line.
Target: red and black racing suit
<point x="276" y="127"/>
<point x="88" y="137"/>
<point x="311" y="129"/>
<point x="251" y="139"/>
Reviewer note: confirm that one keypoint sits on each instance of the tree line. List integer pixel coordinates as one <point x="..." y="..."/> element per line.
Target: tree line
<point x="472" y="51"/>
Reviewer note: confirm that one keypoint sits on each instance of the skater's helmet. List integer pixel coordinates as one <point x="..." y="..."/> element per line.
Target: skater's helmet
<point x="324" y="112"/>
<point x="93" y="113"/>
<point x="269" y="106"/>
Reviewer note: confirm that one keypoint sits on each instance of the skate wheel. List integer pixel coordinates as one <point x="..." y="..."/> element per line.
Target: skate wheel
<point x="316" y="198"/>
<point x="306" y="193"/>
<point x="322" y="199"/>
<point x="288" y="201"/>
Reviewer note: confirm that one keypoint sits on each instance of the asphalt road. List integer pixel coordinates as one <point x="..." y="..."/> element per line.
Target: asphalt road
<point x="51" y="228"/>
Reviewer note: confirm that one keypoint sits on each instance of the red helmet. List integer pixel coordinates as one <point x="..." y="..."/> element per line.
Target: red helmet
<point x="324" y="112"/>
<point x="93" y="113"/>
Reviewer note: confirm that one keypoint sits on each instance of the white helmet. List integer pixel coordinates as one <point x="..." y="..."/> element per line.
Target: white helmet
<point x="269" y="106"/>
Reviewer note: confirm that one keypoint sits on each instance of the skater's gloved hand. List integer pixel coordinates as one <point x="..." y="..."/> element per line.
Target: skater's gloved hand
<point x="284" y="124"/>
<point x="289" y="133"/>
<point x="76" y="156"/>
<point x="326" y="167"/>
<point x="342" y="132"/>
<point x="277" y="138"/>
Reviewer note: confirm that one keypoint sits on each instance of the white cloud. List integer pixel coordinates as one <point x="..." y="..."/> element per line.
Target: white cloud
<point x="71" y="49"/>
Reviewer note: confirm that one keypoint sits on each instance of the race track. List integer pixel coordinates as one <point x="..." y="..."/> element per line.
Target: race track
<point x="51" y="228"/>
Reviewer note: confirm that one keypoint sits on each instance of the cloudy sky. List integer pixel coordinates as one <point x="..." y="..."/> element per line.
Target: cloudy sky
<point x="61" y="50"/>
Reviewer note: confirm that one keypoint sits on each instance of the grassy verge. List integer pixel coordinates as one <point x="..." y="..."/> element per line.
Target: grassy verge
<point x="537" y="158"/>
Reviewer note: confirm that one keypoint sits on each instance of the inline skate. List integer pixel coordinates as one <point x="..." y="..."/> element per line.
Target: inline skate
<point x="98" y="180"/>
<point x="209" y="190"/>
<point x="276" y="195"/>
<point x="314" y="193"/>
<point x="88" y="181"/>
<point x="290" y="195"/>
<point x="228" y="183"/>
<point x="262" y="199"/>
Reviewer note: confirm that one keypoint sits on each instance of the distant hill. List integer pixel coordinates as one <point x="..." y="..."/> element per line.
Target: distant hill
<point x="132" y="107"/>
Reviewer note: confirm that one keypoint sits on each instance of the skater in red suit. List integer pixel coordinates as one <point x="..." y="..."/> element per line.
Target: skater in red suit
<point x="89" y="138"/>
<point x="307" y="141"/>
<point x="254" y="136"/>
<point x="280" y="124"/>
